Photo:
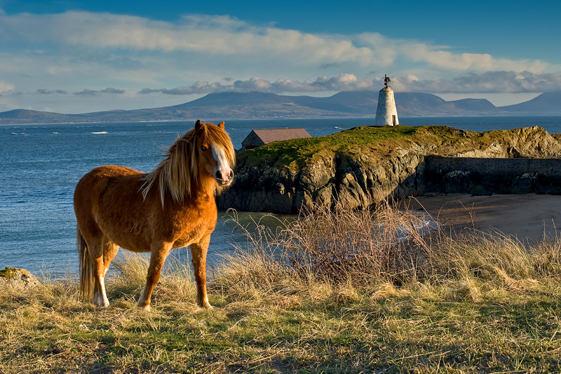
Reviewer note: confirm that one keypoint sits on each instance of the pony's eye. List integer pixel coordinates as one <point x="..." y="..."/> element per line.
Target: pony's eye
<point x="203" y="148"/>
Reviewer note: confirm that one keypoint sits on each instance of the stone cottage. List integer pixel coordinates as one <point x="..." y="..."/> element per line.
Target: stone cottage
<point x="257" y="138"/>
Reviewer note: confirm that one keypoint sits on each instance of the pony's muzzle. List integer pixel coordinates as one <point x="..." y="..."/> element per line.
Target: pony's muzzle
<point x="224" y="179"/>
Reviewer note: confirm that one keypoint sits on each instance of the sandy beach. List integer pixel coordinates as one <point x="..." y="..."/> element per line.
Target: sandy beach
<point x="529" y="217"/>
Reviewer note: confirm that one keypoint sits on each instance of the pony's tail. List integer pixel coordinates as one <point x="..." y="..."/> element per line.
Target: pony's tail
<point x="86" y="267"/>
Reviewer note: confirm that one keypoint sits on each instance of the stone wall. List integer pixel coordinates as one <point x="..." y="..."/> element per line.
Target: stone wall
<point x="483" y="176"/>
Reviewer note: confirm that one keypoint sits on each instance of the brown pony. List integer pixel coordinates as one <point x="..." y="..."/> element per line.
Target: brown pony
<point x="171" y="207"/>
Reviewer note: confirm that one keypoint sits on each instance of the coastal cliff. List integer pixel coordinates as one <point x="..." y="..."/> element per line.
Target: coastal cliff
<point x="372" y="163"/>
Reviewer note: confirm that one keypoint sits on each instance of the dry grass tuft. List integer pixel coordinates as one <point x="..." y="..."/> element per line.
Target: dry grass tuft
<point x="339" y="254"/>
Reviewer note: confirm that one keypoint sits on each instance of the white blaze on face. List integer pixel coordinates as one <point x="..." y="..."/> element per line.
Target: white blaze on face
<point x="223" y="172"/>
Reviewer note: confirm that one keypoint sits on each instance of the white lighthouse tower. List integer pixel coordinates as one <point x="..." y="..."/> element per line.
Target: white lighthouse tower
<point x="386" y="113"/>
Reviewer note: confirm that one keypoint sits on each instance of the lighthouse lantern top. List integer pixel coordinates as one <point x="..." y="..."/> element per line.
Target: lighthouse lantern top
<point x="387" y="80"/>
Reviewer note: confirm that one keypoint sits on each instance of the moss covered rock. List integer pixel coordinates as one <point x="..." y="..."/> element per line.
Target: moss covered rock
<point x="17" y="277"/>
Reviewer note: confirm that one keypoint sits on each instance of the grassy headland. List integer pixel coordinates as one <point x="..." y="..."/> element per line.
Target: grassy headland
<point x="382" y="142"/>
<point x="343" y="293"/>
<point x="298" y="151"/>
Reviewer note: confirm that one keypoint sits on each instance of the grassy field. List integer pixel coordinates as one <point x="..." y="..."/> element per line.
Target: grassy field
<point x="344" y="292"/>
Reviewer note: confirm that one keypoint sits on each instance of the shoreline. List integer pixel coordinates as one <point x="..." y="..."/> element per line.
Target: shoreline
<point x="517" y="115"/>
<point x="527" y="217"/>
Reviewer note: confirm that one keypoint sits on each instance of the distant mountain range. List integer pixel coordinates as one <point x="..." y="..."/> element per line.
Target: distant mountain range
<point x="260" y="105"/>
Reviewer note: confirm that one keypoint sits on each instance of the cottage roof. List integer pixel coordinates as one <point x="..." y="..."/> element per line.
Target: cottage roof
<point x="275" y="135"/>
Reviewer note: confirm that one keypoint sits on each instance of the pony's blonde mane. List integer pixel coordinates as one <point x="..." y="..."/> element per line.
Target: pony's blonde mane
<point x="179" y="172"/>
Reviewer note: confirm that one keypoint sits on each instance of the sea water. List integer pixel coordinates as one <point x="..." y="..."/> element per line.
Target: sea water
<point x="41" y="164"/>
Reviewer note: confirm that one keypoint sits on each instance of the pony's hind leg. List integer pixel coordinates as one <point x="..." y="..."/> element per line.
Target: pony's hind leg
<point x="99" y="270"/>
<point x="110" y="250"/>
<point x="198" y="254"/>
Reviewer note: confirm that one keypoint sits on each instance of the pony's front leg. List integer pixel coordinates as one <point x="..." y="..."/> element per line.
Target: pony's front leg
<point x="198" y="253"/>
<point x="157" y="258"/>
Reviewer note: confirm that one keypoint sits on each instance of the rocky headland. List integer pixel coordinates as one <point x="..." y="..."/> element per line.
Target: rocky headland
<point x="369" y="164"/>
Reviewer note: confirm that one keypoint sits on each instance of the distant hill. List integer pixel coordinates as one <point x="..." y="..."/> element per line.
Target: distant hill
<point x="260" y="105"/>
<point x="24" y="114"/>
<point x="475" y="105"/>
<point x="234" y="98"/>
<point x="353" y="102"/>
<point x="548" y="103"/>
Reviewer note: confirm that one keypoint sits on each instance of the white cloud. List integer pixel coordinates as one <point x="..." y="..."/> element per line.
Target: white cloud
<point x="86" y="92"/>
<point x="89" y="53"/>
<point x="6" y="87"/>
<point x="110" y="90"/>
<point x="253" y="84"/>
<point x="43" y="91"/>
<point x="344" y="82"/>
<point x="199" y="34"/>
<point x="439" y="57"/>
<point x="196" y="89"/>
<point x="222" y="35"/>
<point x="491" y="82"/>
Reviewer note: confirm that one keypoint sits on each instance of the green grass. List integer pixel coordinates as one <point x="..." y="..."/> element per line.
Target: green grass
<point x="376" y="142"/>
<point x="449" y="302"/>
<point x="298" y="151"/>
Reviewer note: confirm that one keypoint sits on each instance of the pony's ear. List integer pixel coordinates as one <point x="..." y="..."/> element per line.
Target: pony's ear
<point x="221" y="125"/>
<point x="198" y="125"/>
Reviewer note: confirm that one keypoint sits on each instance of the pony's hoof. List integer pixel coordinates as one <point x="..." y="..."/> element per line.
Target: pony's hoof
<point x="144" y="307"/>
<point x="101" y="304"/>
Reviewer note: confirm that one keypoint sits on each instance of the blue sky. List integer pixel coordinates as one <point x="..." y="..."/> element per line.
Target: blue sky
<point x="80" y="56"/>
